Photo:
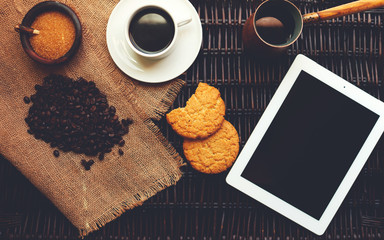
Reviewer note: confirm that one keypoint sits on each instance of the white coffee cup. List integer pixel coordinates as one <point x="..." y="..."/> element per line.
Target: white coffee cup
<point x="170" y="15"/>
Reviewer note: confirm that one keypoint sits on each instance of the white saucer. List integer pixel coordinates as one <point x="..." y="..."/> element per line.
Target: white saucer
<point x="177" y="62"/>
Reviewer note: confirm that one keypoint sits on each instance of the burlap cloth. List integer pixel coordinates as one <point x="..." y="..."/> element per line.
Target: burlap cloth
<point x="89" y="199"/>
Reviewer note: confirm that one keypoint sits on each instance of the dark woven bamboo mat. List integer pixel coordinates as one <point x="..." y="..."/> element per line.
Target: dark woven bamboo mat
<point x="202" y="206"/>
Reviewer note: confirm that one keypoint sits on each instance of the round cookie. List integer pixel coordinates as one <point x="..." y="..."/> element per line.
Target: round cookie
<point x="202" y="115"/>
<point x="214" y="154"/>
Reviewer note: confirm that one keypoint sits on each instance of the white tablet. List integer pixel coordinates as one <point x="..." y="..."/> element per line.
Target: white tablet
<point x="309" y="145"/>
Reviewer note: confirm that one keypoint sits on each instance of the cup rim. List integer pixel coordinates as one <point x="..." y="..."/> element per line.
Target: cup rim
<point x="40" y="8"/>
<point x="157" y="54"/>
<point x="270" y="44"/>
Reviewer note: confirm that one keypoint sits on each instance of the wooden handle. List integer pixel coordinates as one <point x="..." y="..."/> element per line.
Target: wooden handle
<point x="343" y="10"/>
<point x="21" y="28"/>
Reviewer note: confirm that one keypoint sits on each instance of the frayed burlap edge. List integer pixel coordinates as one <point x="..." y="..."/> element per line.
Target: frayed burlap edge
<point x="124" y="206"/>
<point x="168" y="100"/>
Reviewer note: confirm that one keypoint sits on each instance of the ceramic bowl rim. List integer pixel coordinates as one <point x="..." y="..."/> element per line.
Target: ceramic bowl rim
<point x="44" y="7"/>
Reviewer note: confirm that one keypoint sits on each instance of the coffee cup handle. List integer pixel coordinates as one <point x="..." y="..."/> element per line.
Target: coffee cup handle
<point x="184" y="22"/>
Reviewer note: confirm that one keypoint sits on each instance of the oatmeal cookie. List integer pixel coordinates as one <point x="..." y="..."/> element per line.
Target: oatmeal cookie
<point x="202" y="116"/>
<point x="214" y="154"/>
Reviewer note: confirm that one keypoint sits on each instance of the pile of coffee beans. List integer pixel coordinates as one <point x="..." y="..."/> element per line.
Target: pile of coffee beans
<point x="73" y="115"/>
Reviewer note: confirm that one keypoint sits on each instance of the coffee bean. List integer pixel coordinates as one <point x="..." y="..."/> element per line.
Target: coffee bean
<point x="126" y="122"/>
<point x="121" y="143"/>
<point x="27" y="100"/>
<point x="108" y="150"/>
<point x="121" y="152"/>
<point x="112" y="109"/>
<point x="33" y="97"/>
<point x="56" y="153"/>
<point x="83" y="162"/>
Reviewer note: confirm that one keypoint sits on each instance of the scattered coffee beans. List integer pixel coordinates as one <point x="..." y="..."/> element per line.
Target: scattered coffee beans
<point x="87" y="164"/>
<point x="74" y="116"/>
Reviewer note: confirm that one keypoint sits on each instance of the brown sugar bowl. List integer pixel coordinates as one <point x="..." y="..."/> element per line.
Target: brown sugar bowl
<point x="44" y="8"/>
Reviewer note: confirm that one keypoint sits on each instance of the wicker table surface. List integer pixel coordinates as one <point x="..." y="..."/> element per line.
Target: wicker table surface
<point x="203" y="206"/>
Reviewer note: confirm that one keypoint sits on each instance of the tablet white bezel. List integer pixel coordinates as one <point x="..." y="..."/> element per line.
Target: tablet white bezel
<point x="235" y="179"/>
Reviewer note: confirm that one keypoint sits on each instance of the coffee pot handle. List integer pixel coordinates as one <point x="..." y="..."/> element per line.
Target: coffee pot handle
<point x="342" y="10"/>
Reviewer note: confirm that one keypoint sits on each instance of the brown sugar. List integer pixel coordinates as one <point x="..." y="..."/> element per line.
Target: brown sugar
<point x="57" y="34"/>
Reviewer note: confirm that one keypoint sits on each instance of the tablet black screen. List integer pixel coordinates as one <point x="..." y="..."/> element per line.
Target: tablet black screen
<point x="310" y="145"/>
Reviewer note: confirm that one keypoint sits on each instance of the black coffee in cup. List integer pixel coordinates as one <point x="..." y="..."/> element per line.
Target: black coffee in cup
<point x="151" y="30"/>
